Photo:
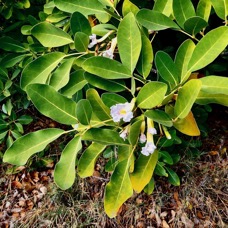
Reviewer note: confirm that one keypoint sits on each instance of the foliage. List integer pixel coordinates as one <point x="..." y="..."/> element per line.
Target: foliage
<point x="107" y="70"/>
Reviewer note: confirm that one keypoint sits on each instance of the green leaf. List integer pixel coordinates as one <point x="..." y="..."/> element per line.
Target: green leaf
<point x="79" y="23"/>
<point x="29" y="144"/>
<point x="166" y="157"/>
<point x="84" y="111"/>
<point x="214" y="85"/>
<point x="9" y="44"/>
<point x="99" y="108"/>
<point x="160" y="117"/>
<point x="150" y="187"/>
<point x="143" y="171"/>
<point x="194" y="25"/>
<point x="76" y="83"/>
<point x="154" y="20"/>
<point x="106" y="68"/>
<point x="40" y="69"/>
<point x="129" y="7"/>
<point x="183" y="10"/>
<point x="173" y="177"/>
<point x="182" y="58"/>
<point x="167" y="68"/>
<point x="12" y="59"/>
<point x="151" y="95"/>
<point x="86" y="7"/>
<point x="64" y="173"/>
<point x="56" y="17"/>
<point x="61" y="76"/>
<point x="52" y="104"/>
<point x="134" y="132"/>
<point x="118" y="190"/>
<point x="50" y="36"/>
<point x="221" y="8"/>
<point x="102" y="83"/>
<point x="129" y="41"/>
<point x="88" y="159"/>
<point x="207" y="98"/>
<point x="25" y="119"/>
<point x="165" y="7"/>
<point x="145" y="61"/>
<point x="104" y="136"/>
<point x="159" y="170"/>
<point x="81" y="41"/>
<point x="204" y="9"/>
<point x="208" y="48"/>
<point x="107" y="3"/>
<point x="111" y="99"/>
<point x="102" y="29"/>
<point x="186" y="98"/>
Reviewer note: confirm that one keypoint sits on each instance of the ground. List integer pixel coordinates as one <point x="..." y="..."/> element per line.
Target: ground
<point x="29" y="198"/>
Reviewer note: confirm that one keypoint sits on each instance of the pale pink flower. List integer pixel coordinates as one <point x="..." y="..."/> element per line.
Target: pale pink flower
<point x="122" y="111"/>
<point x="148" y="149"/>
<point x="93" y="39"/>
<point x="142" y="138"/>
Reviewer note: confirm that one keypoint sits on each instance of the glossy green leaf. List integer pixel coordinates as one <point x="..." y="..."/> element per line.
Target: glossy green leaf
<point x="104" y="136"/>
<point x="173" y="177"/>
<point x="160" y="117"/>
<point x="102" y="29"/>
<point x="208" y="48"/>
<point x="128" y="7"/>
<point x="79" y="23"/>
<point x="155" y="20"/>
<point x="105" y="84"/>
<point x="204" y="9"/>
<point x="183" y="10"/>
<point x="150" y="187"/>
<point x="159" y="170"/>
<point x="151" y="95"/>
<point x="76" y="83"/>
<point x="111" y="99"/>
<point x="165" y="156"/>
<point x="64" y="173"/>
<point x="167" y="68"/>
<point x="118" y="190"/>
<point x="143" y="171"/>
<point x="52" y="104"/>
<point x="40" y="69"/>
<point x="86" y="164"/>
<point x="165" y="7"/>
<point x="129" y="41"/>
<point x="214" y="85"/>
<point x="145" y="61"/>
<point x="107" y="3"/>
<point x="86" y="7"/>
<point x="81" y="41"/>
<point x="84" y="111"/>
<point x="186" y="98"/>
<point x="27" y="145"/>
<point x="61" y="76"/>
<point x="221" y="8"/>
<point x="99" y="108"/>
<point x="187" y="125"/>
<point x="56" y="17"/>
<point x="12" y="59"/>
<point x="207" y="98"/>
<point x="134" y="132"/>
<point x="50" y="36"/>
<point x="106" y="68"/>
<point x="194" y="25"/>
<point x="182" y="58"/>
<point x="9" y="44"/>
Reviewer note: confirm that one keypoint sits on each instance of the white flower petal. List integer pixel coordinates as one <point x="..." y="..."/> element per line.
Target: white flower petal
<point x="142" y="138"/>
<point x="121" y="111"/>
<point x="152" y="131"/>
